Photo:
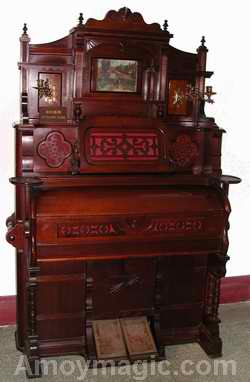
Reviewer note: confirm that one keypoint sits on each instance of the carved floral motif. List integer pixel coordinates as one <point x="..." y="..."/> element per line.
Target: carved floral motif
<point x="184" y="151"/>
<point x="54" y="149"/>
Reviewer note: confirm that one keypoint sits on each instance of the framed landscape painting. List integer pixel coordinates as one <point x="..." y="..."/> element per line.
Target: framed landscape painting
<point x="114" y="75"/>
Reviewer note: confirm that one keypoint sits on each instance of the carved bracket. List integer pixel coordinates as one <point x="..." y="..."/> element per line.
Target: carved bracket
<point x="89" y="308"/>
<point x="20" y="229"/>
<point x="17" y="233"/>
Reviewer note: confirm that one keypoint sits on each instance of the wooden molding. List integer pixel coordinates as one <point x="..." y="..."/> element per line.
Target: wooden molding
<point x="233" y="289"/>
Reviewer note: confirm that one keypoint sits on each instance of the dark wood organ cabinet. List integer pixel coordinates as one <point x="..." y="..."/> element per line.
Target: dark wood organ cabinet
<point x="121" y="206"/>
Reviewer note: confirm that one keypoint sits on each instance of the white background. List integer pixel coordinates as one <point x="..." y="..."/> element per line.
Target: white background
<point x="226" y="27"/>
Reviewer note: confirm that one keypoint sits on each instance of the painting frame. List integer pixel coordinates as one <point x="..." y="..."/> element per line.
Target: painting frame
<point x="115" y="75"/>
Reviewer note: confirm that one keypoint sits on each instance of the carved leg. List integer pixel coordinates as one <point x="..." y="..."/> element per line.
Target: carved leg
<point x="90" y="344"/>
<point x="33" y="367"/>
<point x="18" y="346"/>
<point x="210" y="339"/>
<point x="156" y="319"/>
<point x="209" y="334"/>
<point x="155" y="326"/>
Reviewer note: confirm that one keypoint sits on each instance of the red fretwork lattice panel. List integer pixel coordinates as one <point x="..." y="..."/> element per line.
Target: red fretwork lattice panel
<point x="113" y="146"/>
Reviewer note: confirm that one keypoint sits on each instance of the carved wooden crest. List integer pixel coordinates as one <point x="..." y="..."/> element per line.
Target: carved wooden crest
<point x="122" y="19"/>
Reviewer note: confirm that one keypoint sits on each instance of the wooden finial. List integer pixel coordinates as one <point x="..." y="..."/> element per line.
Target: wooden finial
<point x="165" y="25"/>
<point x="80" y="18"/>
<point x="25" y="28"/>
<point x="203" y="41"/>
<point x="202" y="47"/>
<point x="25" y="37"/>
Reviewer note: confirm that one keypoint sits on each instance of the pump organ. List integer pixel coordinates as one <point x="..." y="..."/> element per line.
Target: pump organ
<point x="121" y="206"/>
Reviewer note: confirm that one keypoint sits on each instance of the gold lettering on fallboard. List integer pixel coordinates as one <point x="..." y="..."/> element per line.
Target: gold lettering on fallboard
<point x="175" y="226"/>
<point x="71" y="230"/>
<point x="156" y="226"/>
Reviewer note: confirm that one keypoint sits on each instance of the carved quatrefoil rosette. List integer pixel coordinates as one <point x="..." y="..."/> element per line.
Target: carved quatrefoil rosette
<point x="54" y="149"/>
<point x="183" y="152"/>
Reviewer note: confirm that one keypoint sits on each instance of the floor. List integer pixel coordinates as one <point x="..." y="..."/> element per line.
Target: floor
<point x="184" y="362"/>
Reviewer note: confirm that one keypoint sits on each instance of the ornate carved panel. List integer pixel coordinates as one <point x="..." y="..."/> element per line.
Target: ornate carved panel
<point x="115" y="146"/>
<point x="111" y="144"/>
<point x="54" y="149"/>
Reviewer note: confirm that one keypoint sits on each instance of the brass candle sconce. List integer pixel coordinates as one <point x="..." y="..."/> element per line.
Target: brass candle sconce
<point x="194" y="93"/>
